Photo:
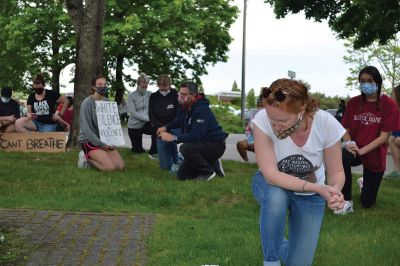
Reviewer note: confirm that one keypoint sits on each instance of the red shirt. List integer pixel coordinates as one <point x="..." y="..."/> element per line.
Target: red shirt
<point x="366" y="125"/>
<point x="68" y="114"/>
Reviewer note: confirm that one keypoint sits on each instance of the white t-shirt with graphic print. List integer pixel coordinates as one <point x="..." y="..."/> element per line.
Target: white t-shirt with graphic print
<point x="306" y="162"/>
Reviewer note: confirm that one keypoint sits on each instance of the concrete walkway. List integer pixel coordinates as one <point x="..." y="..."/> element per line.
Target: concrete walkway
<point x="232" y="154"/>
<point x="77" y="238"/>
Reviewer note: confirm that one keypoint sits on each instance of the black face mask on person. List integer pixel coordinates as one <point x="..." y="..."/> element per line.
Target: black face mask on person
<point x="102" y="90"/>
<point x="38" y="91"/>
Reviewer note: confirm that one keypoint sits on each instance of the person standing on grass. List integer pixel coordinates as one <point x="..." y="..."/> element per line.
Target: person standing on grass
<point x="102" y="156"/>
<point x="368" y="120"/>
<point x="9" y="111"/>
<point x="139" y="121"/>
<point x="41" y="109"/>
<point x="163" y="108"/>
<point x="295" y="145"/>
<point x="202" y="137"/>
<point x="394" y="140"/>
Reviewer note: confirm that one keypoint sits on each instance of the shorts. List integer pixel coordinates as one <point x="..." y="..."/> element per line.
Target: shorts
<point x="44" y="127"/>
<point x="87" y="147"/>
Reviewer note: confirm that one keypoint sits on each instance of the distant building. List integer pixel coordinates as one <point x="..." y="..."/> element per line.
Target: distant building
<point x="228" y="96"/>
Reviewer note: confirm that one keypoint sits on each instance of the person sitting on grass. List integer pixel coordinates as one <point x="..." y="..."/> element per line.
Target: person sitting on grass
<point x="41" y="115"/>
<point x="202" y="137"/>
<point x="394" y="141"/>
<point x="9" y="111"/>
<point x="102" y="156"/>
<point x="247" y="144"/>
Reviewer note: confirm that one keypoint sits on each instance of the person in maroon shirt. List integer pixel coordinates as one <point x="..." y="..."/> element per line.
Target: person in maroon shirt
<point x="368" y="120"/>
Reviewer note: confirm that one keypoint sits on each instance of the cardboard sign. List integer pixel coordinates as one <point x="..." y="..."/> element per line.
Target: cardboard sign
<point x="33" y="142"/>
<point x="109" y="123"/>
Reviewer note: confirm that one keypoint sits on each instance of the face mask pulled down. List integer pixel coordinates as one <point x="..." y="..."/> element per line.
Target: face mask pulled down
<point x="5" y="100"/>
<point x="285" y="133"/>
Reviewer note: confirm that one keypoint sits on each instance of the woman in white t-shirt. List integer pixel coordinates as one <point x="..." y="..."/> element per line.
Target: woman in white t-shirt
<point x="294" y="142"/>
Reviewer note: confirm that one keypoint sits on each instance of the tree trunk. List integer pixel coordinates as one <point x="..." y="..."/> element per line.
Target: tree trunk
<point x="88" y="22"/>
<point x="119" y="83"/>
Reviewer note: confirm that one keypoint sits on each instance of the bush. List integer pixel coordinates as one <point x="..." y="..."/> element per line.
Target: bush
<point x="229" y="122"/>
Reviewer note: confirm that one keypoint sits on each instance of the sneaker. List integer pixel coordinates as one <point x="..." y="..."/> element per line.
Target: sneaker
<point x="174" y="169"/>
<point x="153" y="156"/>
<point x="393" y="174"/>
<point x="206" y="177"/>
<point x="360" y="182"/>
<point x="82" y="160"/>
<point x="217" y="165"/>
<point x="347" y="208"/>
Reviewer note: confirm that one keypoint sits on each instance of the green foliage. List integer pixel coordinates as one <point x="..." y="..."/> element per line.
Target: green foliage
<point x="365" y="20"/>
<point x="12" y="247"/>
<point x="251" y="99"/>
<point x="229" y="122"/>
<point x="235" y="86"/>
<point x="37" y="37"/>
<point x="385" y="57"/>
<point x="326" y="102"/>
<point x="197" y="223"/>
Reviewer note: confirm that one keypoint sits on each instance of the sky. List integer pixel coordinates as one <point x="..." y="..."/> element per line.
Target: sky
<point x="272" y="48"/>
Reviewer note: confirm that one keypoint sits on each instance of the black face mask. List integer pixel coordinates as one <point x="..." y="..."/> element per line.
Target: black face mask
<point x="38" y="90"/>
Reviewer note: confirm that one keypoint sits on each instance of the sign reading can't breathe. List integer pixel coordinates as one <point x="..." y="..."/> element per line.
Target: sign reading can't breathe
<point x="33" y="142"/>
<point x="109" y="123"/>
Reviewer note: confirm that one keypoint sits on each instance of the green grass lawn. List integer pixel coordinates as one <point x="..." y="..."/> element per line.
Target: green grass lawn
<point x="198" y="223"/>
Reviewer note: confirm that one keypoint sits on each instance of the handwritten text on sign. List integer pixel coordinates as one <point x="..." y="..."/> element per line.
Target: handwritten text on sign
<point x="109" y="124"/>
<point x="33" y="142"/>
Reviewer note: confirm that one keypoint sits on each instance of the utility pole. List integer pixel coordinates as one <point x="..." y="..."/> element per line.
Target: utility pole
<point x="244" y="64"/>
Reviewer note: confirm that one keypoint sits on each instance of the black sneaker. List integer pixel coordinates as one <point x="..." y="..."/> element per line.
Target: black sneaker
<point x="206" y="177"/>
<point x="217" y="166"/>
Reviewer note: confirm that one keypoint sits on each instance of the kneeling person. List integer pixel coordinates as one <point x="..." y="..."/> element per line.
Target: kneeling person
<point x="202" y="137"/>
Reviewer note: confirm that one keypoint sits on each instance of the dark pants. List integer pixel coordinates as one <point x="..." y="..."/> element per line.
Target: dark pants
<point x="198" y="158"/>
<point x="371" y="180"/>
<point x="135" y="134"/>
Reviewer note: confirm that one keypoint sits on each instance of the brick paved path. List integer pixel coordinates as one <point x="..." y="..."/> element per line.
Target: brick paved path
<point x="76" y="238"/>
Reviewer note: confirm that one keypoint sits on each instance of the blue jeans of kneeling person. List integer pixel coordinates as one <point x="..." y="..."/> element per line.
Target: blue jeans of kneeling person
<point x="305" y="218"/>
<point x="167" y="153"/>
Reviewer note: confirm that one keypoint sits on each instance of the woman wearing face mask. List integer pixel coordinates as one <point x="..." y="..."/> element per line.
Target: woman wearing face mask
<point x="368" y="120"/>
<point x="9" y="111"/>
<point x="295" y="145"/>
<point x="41" y="108"/>
<point x="163" y="107"/>
<point x="139" y="121"/>
<point x="104" y="157"/>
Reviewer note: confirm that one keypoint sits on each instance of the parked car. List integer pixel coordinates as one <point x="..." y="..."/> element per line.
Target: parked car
<point x="332" y="111"/>
<point x="249" y="113"/>
<point x="228" y="107"/>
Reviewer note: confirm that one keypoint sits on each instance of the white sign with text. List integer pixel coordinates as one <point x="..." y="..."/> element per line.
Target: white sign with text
<point x="109" y="123"/>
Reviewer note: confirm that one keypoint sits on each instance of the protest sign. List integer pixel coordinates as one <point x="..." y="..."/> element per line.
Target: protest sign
<point x="109" y="123"/>
<point x="33" y="142"/>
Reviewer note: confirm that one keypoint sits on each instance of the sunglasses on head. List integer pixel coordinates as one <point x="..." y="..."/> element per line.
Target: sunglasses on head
<point x="279" y="95"/>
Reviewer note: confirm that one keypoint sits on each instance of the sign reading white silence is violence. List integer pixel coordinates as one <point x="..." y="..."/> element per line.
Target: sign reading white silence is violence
<point x="109" y="123"/>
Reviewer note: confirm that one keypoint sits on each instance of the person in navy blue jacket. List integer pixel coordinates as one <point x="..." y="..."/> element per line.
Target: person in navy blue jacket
<point x="202" y="137"/>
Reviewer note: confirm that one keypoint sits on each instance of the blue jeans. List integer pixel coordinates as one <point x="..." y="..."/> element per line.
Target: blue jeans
<point x="305" y="218"/>
<point x="45" y="127"/>
<point x="167" y="153"/>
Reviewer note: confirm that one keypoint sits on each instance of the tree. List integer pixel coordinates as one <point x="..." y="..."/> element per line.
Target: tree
<point x="385" y="57"/>
<point x="88" y="19"/>
<point x="38" y="38"/>
<point x="364" y="20"/>
<point x="251" y="99"/>
<point x="235" y="86"/>
<point x="178" y="38"/>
